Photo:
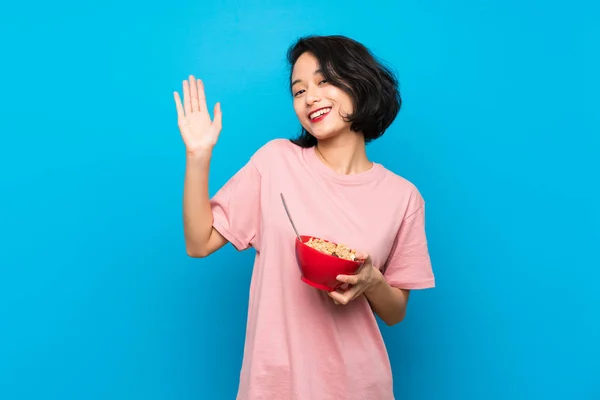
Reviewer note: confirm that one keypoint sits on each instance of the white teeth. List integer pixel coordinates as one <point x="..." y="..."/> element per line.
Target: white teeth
<point x="319" y="113"/>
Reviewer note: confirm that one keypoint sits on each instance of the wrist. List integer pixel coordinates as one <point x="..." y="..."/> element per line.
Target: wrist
<point x="198" y="155"/>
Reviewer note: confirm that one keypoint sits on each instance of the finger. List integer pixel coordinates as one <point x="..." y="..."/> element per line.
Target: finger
<point x="187" y="105"/>
<point x="201" y="95"/>
<point x="218" y="117"/>
<point x="352" y="293"/>
<point x="194" y="93"/>
<point x="344" y="298"/>
<point x="350" y="279"/>
<point x="336" y="296"/>
<point x="363" y="256"/>
<point x="179" y="106"/>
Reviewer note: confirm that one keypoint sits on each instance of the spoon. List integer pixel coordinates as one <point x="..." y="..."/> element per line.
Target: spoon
<point x="290" y="217"/>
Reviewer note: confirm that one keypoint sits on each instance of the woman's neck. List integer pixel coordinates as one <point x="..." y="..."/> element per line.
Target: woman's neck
<point x="344" y="154"/>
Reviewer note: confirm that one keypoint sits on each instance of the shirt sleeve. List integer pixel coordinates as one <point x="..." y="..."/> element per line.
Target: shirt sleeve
<point x="236" y="208"/>
<point x="409" y="264"/>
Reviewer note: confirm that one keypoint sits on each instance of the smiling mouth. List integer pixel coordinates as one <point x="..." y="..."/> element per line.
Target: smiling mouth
<point x="319" y="114"/>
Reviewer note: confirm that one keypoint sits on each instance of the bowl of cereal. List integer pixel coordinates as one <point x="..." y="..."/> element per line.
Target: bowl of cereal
<point x="321" y="261"/>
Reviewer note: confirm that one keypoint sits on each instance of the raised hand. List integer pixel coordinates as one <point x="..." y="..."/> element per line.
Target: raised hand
<point x="198" y="131"/>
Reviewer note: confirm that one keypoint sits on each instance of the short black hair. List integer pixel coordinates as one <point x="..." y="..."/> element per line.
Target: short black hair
<point x="352" y="67"/>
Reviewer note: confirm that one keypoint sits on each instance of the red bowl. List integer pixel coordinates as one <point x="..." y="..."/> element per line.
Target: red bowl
<point x="320" y="270"/>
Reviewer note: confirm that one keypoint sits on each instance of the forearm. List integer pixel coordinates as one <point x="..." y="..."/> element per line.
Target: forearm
<point x="197" y="213"/>
<point x="388" y="302"/>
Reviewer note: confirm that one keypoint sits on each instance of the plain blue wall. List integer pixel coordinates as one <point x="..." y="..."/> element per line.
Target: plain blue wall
<point x="499" y="130"/>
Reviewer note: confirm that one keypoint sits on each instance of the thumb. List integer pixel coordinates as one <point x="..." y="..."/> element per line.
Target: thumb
<point x="218" y="119"/>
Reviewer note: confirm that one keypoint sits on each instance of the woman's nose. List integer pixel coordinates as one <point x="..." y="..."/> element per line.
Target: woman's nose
<point x="312" y="97"/>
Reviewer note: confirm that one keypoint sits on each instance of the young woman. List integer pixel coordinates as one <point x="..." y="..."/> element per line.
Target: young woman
<point x="303" y="343"/>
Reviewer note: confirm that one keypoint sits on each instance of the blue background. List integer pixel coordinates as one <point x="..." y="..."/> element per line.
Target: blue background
<point x="499" y="130"/>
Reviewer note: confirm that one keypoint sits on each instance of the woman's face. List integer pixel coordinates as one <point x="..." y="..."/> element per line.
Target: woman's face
<point x="319" y="105"/>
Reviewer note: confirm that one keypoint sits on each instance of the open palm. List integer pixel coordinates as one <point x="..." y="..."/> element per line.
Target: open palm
<point x="198" y="132"/>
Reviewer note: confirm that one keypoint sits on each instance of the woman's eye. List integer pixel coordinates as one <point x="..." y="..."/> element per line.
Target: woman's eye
<point x="298" y="92"/>
<point x="323" y="81"/>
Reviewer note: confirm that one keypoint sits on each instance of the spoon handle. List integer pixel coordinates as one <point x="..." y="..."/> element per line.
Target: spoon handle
<point x="289" y="216"/>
